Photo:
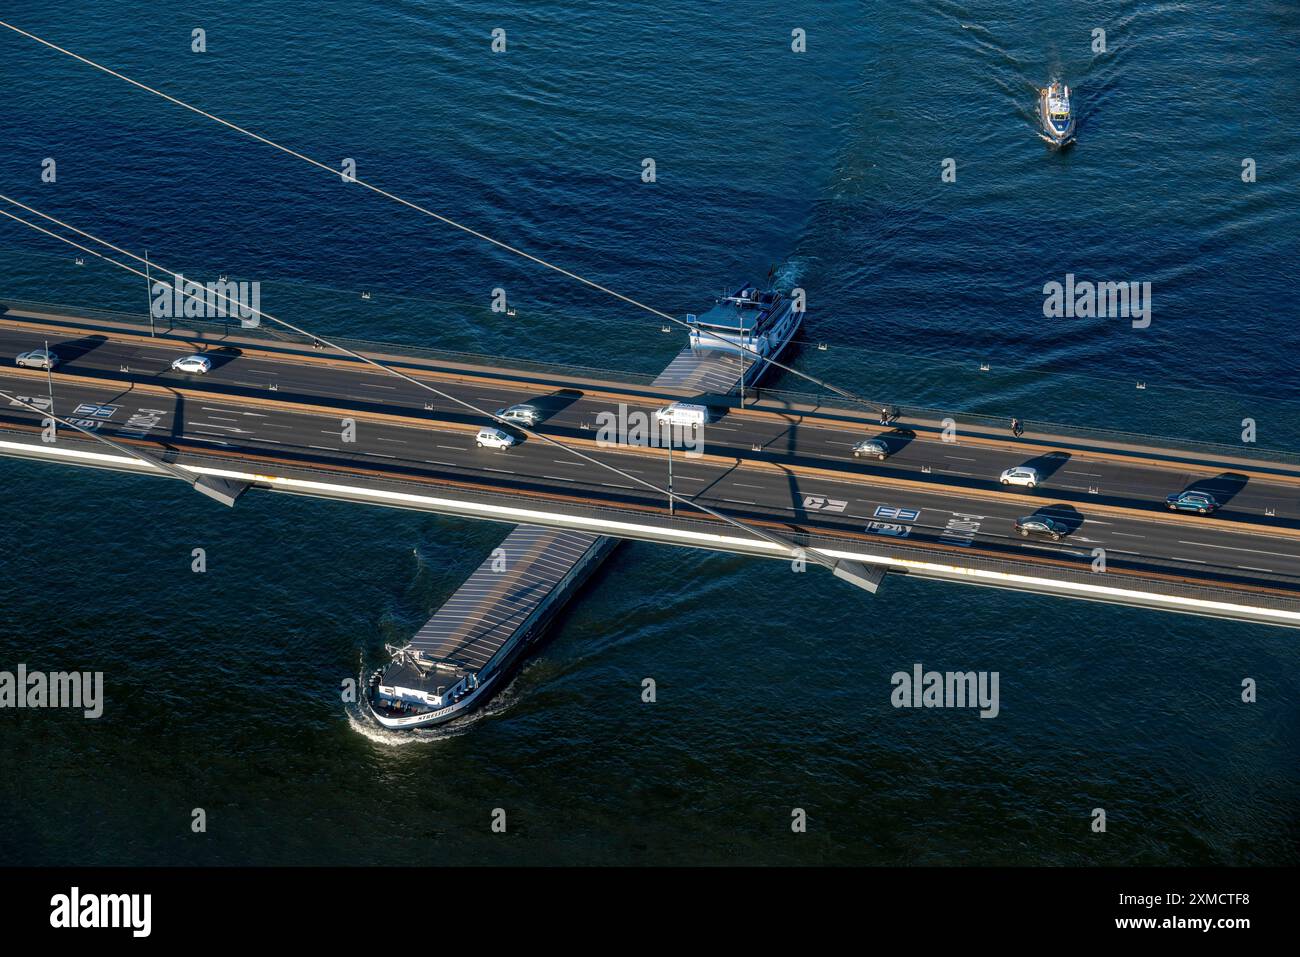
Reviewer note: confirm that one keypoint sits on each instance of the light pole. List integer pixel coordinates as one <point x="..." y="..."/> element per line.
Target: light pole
<point x="148" y="288"/>
<point x="671" y="510"/>
<point x="743" y="361"/>
<point x="49" y="378"/>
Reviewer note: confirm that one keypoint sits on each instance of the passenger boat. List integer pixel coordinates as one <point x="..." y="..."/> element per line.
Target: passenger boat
<point x="1056" y="115"/>
<point x="756" y="324"/>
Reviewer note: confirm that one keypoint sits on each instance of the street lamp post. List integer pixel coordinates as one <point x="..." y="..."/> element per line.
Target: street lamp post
<point x="148" y="287"/>
<point x="671" y="510"/>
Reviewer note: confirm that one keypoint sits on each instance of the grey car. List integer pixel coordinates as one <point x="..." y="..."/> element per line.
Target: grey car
<point x="521" y="415"/>
<point x="871" y="448"/>
<point x="38" y="359"/>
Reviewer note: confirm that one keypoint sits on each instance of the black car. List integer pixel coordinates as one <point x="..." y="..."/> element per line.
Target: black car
<point x="1041" y="525"/>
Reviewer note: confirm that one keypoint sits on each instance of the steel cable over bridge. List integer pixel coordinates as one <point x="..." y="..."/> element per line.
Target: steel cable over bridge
<point x="775" y="481"/>
<point x="842" y="568"/>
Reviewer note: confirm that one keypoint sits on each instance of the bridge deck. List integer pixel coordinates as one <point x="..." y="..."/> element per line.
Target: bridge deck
<point x="267" y="415"/>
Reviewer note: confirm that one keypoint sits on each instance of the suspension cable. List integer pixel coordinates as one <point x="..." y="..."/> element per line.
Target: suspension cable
<point x="843" y="393"/>
<point x="154" y="267"/>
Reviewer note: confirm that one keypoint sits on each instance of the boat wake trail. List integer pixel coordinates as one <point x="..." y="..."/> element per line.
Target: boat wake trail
<point x="363" y="722"/>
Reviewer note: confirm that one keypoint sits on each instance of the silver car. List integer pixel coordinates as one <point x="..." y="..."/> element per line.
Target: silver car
<point x="493" y="438"/>
<point x="871" y="448"/>
<point x="38" y="359"/>
<point x="528" y="415"/>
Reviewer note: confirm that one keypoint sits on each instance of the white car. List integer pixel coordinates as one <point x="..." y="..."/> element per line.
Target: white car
<point x="37" y="359"/>
<point x="493" y="438"/>
<point x="196" y="364"/>
<point x="1020" y="475"/>
<point x="522" y="414"/>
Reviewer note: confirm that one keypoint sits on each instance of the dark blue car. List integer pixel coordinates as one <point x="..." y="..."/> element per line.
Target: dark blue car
<point x="1202" y="503"/>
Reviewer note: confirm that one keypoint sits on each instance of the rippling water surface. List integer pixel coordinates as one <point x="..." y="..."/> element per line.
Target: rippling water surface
<point x="223" y="688"/>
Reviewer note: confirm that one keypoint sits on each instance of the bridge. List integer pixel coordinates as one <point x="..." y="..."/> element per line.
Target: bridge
<point x="278" y="412"/>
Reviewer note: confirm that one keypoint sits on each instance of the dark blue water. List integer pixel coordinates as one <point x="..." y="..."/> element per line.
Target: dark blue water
<point x="223" y="688"/>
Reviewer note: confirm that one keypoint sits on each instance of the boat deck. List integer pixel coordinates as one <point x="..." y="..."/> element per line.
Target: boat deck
<point x="505" y="594"/>
<point x="711" y="371"/>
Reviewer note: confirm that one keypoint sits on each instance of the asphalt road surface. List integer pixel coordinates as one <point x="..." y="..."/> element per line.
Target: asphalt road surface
<point x="793" y="471"/>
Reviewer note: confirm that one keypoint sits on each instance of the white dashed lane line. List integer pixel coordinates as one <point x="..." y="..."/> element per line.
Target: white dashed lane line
<point x="1230" y="548"/>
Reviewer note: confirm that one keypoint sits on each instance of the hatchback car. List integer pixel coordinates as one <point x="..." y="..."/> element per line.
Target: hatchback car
<point x="493" y="438"/>
<point x="1041" y="525"/>
<point x="195" y="364"/>
<point x="871" y="448"/>
<point x="1191" y="501"/>
<point x="1020" y="475"/>
<point x="37" y="359"/>
<point x="522" y="414"/>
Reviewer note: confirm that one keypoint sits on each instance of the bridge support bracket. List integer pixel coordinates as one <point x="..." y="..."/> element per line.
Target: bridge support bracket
<point x="859" y="574"/>
<point x="224" y="491"/>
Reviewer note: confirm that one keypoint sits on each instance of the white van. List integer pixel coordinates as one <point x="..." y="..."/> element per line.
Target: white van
<point x="683" y="413"/>
<point x="494" y="439"/>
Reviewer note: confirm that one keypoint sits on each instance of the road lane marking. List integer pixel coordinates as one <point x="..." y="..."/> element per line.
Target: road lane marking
<point x="820" y="503"/>
<point x="1230" y="548"/>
